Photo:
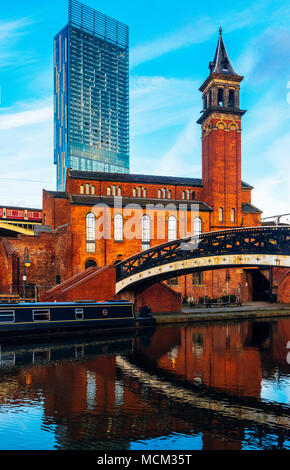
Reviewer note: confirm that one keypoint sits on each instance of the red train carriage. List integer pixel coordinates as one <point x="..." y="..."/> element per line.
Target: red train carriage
<point x="21" y="214"/>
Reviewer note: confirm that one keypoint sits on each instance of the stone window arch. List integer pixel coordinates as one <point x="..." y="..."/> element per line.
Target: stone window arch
<point x="90" y="263"/>
<point x="221" y="214"/>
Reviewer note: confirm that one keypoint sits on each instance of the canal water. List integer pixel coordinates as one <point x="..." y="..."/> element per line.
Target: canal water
<point x="210" y="386"/>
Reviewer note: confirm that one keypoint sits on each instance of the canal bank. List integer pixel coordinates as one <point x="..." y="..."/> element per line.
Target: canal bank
<point x="246" y="311"/>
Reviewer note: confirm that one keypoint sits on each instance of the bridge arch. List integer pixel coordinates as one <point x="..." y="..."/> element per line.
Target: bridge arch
<point x="243" y="247"/>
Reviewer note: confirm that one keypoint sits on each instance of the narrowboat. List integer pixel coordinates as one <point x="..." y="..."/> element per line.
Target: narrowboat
<point x="34" y="319"/>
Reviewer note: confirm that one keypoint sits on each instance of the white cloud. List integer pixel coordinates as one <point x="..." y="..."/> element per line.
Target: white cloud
<point x="10" y="31"/>
<point x="194" y="33"/>
<point x="158" y="103"/>
<point x="197" y="31"/>
<point x="26" y="154"/>
<point x="26" y="118"/>
<point x="184" y="157"/>
<point x="272" y="191"/>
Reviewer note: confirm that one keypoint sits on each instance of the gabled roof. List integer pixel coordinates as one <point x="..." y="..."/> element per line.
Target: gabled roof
<point x="136" y="178"/>
<point x="247" y="207"/>
<point x="221" y="63"/>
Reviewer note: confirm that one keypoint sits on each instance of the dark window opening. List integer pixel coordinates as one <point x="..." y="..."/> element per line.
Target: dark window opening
<point x="41" y="315"/>
<point x="220" y="97"/>
<point x="231" y="103"/>
<point x="79" y="313"/>
<point x="197" y="278"/>
<point x="173" y="281"/>
<point x="7" y="316"/>
<point x="90" y="264"/>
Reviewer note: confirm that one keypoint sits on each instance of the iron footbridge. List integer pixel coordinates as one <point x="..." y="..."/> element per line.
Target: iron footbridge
<point x="256" y="247"/>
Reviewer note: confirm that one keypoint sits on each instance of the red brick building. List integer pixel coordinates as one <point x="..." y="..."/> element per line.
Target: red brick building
<point x="103" y="218"/>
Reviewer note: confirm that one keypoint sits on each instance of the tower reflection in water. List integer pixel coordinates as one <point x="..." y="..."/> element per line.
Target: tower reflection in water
<point x="172" y="388"/>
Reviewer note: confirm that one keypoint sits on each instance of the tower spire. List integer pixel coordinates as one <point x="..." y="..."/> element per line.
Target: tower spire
<point x="221" y="62"/>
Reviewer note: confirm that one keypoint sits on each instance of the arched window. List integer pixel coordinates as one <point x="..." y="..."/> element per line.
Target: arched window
<point x="197" y="226"/>
<point x="139" y="191"/>
<point x="119" y="192"/>
<point x="164" y="193"/>
<point x="172" y="228"/>
<point x="118" y="227"/>
<point x="145" y="232"/>
<point x="91" y="233"/>
<point x="193" y="195"/>
<point x="144" y="192"/>
<point x="233" y="215"/>
<point x="87" y="188"/>
<point x="93" y="191"/>
<point x="90" y="263"/>
<point x="183" y="194"/>
<point x="221" y="214"/>
<point x="134" y="192"/>
<point x="159" y="193"/>
<point x="82" y="189"/>
<point x="108" y="191"/>
<point x="169" y="194"/>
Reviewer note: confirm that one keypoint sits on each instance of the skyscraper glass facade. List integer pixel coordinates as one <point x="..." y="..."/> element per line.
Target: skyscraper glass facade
<point x="91" y="94"/>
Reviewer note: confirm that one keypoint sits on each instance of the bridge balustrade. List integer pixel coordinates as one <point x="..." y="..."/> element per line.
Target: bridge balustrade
<point x="256" y="240"/>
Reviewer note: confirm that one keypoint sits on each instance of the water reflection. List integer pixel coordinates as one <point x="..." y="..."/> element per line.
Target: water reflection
<point x="207" y="386"/>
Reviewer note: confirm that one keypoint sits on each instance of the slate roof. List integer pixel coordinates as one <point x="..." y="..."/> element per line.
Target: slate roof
<point x="137" y="178"/>
<point x="221" y="63"/>
<point x="246" y="207"/>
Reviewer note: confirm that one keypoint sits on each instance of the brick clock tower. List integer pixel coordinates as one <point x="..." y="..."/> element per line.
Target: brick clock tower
<point x="221" y="141"/>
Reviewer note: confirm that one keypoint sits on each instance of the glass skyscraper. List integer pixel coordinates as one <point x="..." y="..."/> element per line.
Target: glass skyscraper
<point x="91" y="94"/>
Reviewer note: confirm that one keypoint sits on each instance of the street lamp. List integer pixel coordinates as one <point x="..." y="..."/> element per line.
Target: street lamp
<point x="27" y="264"/>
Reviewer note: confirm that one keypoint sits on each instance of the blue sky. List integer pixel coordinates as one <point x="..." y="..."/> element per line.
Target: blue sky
<point x="171" y="44"/>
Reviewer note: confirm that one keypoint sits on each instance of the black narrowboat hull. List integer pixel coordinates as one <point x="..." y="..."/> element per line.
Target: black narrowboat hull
<point x="52" y="319"/>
